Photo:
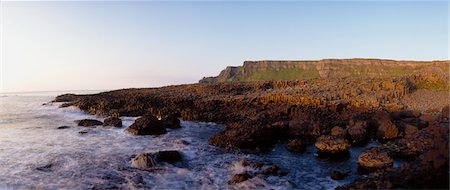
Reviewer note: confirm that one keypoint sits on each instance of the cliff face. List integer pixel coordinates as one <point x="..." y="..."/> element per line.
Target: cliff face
<point x="326" y="69"/>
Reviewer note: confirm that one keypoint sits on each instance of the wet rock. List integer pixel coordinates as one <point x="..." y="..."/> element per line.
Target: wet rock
<point x="83" y="132"/>
<point x="89" y="122"/>
<point x="169" y="156"/>
<point x="337" y="174"/>
<point x="357" y="132"/>
<point x="245" y="137"/>
<point x="63" y="127"/>
<point x="374" y="159"/>
<point x="143" y="161"/>
<point x="331" y="145"/>
<point x="147" y="125"/>
<point x="386" y="129"/>
<point x="296" y="146"/>
<point x="46" y="168"/>
<point x="113" y="121"/>
<point x="171" y="121"/>
<point x="303" y="129"/>
<point x="337" y="131"/>
<point x="238" y="178"/>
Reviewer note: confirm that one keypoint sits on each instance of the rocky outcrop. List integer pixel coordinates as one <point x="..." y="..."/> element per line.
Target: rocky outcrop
<point x="89" y="122"/>
<point x="330" y="69"/>
<point x="147" y="125"/>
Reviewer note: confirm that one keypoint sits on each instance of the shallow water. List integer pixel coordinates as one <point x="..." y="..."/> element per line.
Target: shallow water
<point x="36" y="155"/>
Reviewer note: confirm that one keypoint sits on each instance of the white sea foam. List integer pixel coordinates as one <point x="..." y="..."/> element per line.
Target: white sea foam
<point x="36" y="155"/>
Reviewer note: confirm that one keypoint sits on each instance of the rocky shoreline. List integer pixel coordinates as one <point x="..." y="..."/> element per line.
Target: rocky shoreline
<point x="332" y="114"/>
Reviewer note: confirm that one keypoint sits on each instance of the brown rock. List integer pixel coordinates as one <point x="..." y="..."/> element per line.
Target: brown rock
<point x="410" y="129"/>
<point x="113" y="121"/>
<point x="238" y="178"/>
<point x="386" y="129"/>
<point x="143" y="161"/>
<point x="171" y="121"/>
<point x="337" y="131"/>
<point x="169" y="156"/>
<point x="358" y="132"/>
<point x="374" y="159"/>
<point x="338" y="174"/>
<point x="296" y="146"/>
<point x="331" y="145"/>
<point x="147" y="125"/>
<point x="89" y="122"/>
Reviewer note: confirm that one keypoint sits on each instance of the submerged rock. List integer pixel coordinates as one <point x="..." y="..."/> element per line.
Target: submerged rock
<point x="46" y="168"/>
<point x="89" y="122"/>
<point x="331" y="145"/>
<point x="296" y="146"/>
<point x="147" y="125"/>
<point x="63" y="127"/>
<point x="374" y="159"/>
<point x="113" y="121"/>
<point x="338" y="174"/>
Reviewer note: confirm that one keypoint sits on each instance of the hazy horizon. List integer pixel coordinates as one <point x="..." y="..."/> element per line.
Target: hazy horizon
<point x="54" y="46"/>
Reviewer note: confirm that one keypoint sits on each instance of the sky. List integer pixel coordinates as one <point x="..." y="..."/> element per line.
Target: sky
<point x="101" y="45"/>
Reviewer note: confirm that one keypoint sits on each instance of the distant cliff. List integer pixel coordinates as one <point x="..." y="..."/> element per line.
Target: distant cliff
<point x="326" y="68"/>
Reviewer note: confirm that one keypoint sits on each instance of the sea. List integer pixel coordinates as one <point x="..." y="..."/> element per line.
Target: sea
<point x="35" y="154"/>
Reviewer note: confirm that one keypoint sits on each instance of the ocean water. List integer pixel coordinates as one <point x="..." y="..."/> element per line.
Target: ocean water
<point x="36" y="155"/>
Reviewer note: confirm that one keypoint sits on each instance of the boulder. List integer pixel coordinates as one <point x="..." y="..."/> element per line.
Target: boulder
<point x="386" y="129"/>
<point x="143" y="161"/>
<point x="147" y="125"/>
<point x="296" y="146"/>
<point x="89" y="122"/>
<point x="337" y="131"/>
<point x="113" y="121"/>
<point x="357" y="132"/>
<point x="306" y="130"/>
<point x="171" y="121"/>
<point x="169" y="156"/>
<point x="331" y="145"/>
<point x="374" y="159"/>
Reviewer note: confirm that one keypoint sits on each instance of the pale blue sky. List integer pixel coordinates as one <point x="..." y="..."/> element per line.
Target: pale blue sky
<point x="109" y="45"/>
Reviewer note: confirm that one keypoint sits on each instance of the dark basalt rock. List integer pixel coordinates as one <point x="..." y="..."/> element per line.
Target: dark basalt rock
<point x="337" y="174"/>
<point x="296" y="146"/>
<point x="89" y="122"/>
<point x="171" y="121"/>
<point x="113" y="121"/>
<point x="63" y="127"/>
<point x="169" y="156"/>
<point x="147" y="125"/>
<point x="46" y="168"/>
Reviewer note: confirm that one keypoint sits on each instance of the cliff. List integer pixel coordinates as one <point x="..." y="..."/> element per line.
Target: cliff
<point x="326" y="69"/>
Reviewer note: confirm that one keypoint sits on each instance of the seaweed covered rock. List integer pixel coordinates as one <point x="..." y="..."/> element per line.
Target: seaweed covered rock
<point x="147" y="125"/>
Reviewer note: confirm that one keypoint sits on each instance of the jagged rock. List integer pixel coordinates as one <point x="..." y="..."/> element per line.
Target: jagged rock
<point x="89" y="122"/>
<point x="147" y="125"/>
<point x="143" y="161"/>
<point x="296" y="146"/>
<point x="374" y="159"/>
<point x="331" y="145"/>
<point x="113" y="121"/>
